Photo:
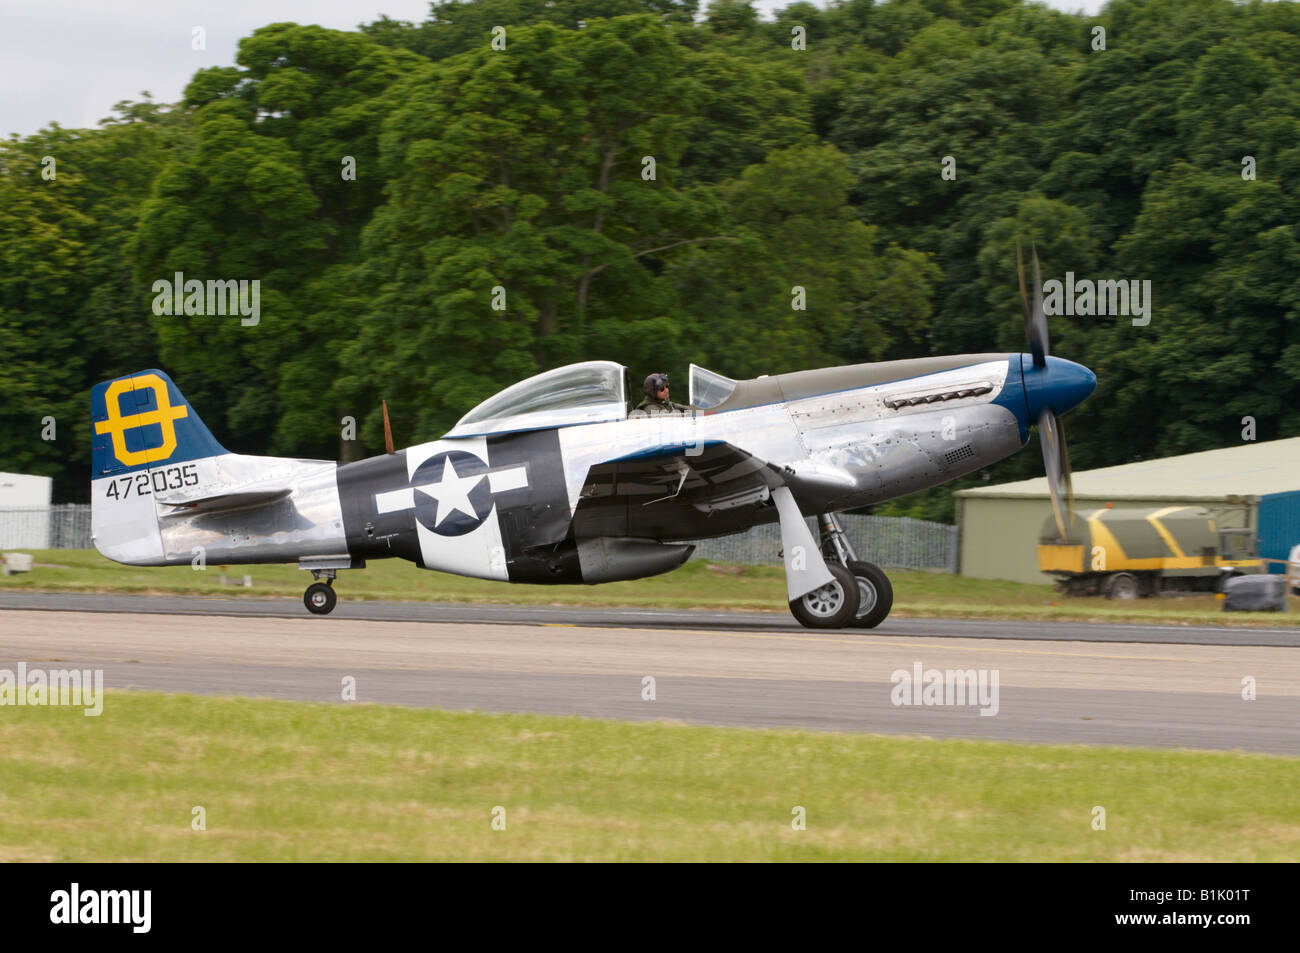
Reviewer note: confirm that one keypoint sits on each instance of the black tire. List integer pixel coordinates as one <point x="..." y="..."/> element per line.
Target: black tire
<point x="833" y="606"/>
<point x="1222" y="581"/>
<point x="320" y="598"/>
<point x="875" y="595"/>
<point x="1123" y="585"/>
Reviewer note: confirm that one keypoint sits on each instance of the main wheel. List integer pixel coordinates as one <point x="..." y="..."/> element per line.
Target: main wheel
<point x="320" y="598"/>
<point x="1122" y="585"/>
<point x="833" y="605"/>
<point x="875" y="595"/>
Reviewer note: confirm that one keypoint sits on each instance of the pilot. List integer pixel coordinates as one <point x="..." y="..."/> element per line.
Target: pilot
<point x="656" y="399"/>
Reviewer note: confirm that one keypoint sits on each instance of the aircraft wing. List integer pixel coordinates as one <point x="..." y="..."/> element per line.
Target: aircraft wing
<point x="710" y="478"/>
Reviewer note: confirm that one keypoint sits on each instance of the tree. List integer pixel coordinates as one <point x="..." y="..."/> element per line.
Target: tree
<point x="528" y="171"/>
<point x="70" y="311"/>
<point x="795" y="230"/>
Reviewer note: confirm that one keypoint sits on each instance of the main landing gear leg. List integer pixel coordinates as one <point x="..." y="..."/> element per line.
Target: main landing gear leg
<point x="320" y="597"/>
<point x="875" y="594"/>
<point x="822" y="595"/>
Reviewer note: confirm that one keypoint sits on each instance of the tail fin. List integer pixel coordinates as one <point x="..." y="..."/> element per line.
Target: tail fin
<point x="143" y="420"/>
<point x="144" y="439"/>
<point x="163" y="491"/>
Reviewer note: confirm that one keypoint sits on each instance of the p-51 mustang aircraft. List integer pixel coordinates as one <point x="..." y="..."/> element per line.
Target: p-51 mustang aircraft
<point x="551" y="481"/>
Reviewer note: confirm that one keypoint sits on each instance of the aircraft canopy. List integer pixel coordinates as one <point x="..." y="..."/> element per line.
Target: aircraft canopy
<point x="584" y="393"/>
<point x="707" y="388"/>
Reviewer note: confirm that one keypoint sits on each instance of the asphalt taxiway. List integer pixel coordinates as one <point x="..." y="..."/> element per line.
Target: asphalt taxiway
<point x="1057" y="682"/>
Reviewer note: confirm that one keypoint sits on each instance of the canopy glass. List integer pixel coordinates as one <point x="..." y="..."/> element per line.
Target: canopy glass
<point x="575" y="394"/>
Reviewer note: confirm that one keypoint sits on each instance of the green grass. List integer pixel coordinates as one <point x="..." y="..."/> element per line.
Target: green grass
<point x="307" y="781"/>
<point x="697" y="585"/>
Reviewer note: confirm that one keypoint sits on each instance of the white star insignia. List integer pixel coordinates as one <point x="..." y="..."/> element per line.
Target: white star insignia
<point x="452" y="493"/>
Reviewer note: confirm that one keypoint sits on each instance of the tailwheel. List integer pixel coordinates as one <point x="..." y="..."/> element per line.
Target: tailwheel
<point x="320" y="598"/>
<point x="875" y="594"/>
<point x="833" y="606"/>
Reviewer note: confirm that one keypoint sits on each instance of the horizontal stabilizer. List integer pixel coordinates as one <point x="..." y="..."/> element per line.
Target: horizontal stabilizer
<point x="236" y="500"/>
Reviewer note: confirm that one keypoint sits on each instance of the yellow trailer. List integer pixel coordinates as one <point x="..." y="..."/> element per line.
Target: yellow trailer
<point x="1126" y="553"/>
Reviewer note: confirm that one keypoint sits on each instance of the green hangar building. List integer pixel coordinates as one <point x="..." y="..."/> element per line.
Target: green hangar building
<point x="1254" y="485"/>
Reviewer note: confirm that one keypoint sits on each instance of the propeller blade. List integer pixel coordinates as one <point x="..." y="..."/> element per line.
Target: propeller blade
<point x="1057" y="466"/>
<point x="1067" y="475"/>
<point x="1056" y="458"/>
<point x="388" y="431"/>
<point x="1024" y="295"/>
<point x="1035" y="318"/>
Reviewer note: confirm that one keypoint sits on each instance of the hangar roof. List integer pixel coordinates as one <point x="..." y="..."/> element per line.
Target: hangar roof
<point x="1251" y="469"/>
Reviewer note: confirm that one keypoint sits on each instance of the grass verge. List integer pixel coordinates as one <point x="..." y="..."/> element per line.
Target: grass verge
<point x="305" y="781"/>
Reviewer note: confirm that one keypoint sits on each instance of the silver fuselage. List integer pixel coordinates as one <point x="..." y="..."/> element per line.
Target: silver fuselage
<point x="839" y="439"/>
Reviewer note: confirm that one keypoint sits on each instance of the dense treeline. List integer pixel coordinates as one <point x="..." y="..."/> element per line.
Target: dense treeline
<point x="526" y="169"/>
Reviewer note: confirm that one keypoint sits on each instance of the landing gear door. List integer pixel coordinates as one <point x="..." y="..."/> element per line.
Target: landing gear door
<point x="805" y="570"/>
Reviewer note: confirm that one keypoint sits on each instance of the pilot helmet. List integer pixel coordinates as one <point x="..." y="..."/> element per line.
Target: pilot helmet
<point x="653" y="383"/>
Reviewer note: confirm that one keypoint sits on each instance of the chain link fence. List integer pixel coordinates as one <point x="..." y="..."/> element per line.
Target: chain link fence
<point x="47" y="527"/>
<point x="896" y="542"/>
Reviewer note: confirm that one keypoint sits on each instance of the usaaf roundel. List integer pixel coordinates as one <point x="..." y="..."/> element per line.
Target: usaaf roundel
<point x="452" y="493"/>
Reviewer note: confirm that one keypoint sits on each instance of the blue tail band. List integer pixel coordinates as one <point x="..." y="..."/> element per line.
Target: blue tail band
<point x="142" y="420"/>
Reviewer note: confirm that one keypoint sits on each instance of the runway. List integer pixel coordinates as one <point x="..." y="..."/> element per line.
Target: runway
<point x="258" y="607"/>
<point x="1060" y="683"/>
